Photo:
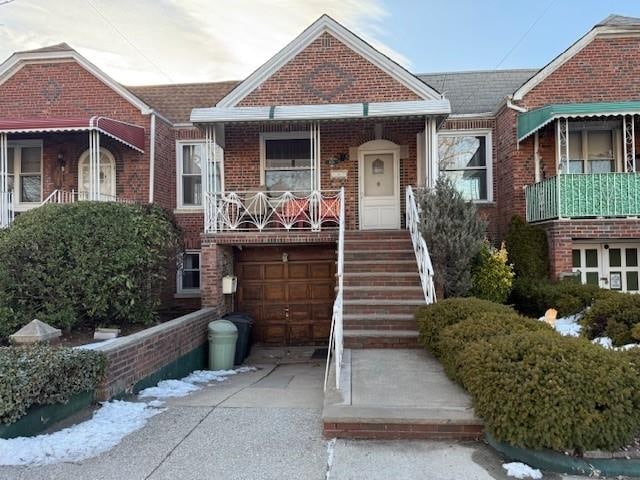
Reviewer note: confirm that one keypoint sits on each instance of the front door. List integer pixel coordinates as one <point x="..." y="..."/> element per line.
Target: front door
<point x="379" y="191"/>
<point x="614" y="266"/>
<point x="107" y="176"/>
<point x="289" y="291"/>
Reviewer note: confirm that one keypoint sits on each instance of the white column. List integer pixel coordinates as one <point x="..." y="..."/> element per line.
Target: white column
<point x="629" y="142"/>
<point x="562" y="145"/>
<point x="94" y="165"/>
<point x="4" y="182"/>
<point x="536" y="157"/>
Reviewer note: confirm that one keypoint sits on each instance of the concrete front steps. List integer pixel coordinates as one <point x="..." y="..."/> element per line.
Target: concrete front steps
<point x="382" y="290"/>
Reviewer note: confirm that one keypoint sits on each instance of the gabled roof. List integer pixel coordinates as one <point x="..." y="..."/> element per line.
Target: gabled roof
<point x="176" y="101"/>
<point x="327" y="24"/>
<point x="477" y="92"/>
<point x="62" y="51"/>
<point x="613" y="24"/>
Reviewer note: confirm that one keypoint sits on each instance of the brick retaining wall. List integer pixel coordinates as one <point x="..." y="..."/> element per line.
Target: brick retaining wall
<point x="134" y="357"/>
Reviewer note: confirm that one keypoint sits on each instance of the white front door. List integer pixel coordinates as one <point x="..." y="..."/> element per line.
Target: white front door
<point x="379" y="190"/>
<point x="107" y="176"/>
<point x="610" y="265"/>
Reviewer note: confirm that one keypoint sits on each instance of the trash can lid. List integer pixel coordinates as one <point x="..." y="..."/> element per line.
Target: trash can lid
<point x="222" y="326"/>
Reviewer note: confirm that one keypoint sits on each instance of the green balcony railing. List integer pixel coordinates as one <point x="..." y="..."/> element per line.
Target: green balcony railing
<point x="584" y="196"/>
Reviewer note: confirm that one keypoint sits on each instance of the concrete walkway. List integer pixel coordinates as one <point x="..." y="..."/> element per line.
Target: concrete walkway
<point x="265" y="425"/>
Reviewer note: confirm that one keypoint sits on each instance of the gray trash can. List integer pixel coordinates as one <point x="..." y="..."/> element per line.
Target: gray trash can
<point x="223" y="335"/>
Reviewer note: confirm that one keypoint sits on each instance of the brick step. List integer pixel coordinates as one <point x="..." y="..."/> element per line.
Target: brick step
<point x="375" y="279"/>
<point x="383" y="293"/>
<point x="379" y="244"/>
<point x="392" y="255"/>
<point x="362" y="338"/>
<point x="376" y="234"/>
<point x="379" y="322"/>
<point x="375" y="306"/>
<point x="396" y="266"/>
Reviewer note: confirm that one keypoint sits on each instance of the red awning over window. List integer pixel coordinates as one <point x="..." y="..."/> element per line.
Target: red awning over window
<point x="130" y="135"/>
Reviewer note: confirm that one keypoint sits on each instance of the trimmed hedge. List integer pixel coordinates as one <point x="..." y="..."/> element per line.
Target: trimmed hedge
<point x="432" y="319"/>
<point x="42" y="375"/>
<point x="533" y="297"/>
<point x="533" y="387"/>
<point x="528" y="249"/>
<point x="483" y="327"/>
<point x="87" y="263"/>
<point x="616" y="315"/>
<point x="542" y="390"/>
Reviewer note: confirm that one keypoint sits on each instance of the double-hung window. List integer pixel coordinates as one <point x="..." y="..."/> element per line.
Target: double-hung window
<point x="189" y="272"/>
<point x="465" y="158"/>
<point x="191" y="158"/>
<point x="287" y="161"/>
<point x="25" y="172"/>
<point x="591" y="150"/>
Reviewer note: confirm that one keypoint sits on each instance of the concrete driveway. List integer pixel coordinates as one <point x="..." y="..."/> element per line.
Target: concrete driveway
<point x="264" y="425"/>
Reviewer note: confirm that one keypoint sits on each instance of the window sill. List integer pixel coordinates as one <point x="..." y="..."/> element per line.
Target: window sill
<point x="187" y="295"/>
<point x="487" y="203"/>
<point x="186" y="210"/>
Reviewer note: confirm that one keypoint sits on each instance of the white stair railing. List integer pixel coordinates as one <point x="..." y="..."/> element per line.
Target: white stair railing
<point x="425" y="267"/>
<point x="71" y="196"/>
<point x="336" y="337"/>
<point x="6" y="209"/>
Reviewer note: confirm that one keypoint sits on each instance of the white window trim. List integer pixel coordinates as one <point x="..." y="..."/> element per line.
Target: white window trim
<point x="608" y="126"/>
<point x="179" y="165"/>
<point x="301" y="134"/>
<point x="487" y="133"/>
<point x="17" y="204"/>
<point x="188" y="292"/>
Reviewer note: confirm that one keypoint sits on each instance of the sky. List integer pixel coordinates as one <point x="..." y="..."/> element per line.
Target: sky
<point x="177" y="41"/>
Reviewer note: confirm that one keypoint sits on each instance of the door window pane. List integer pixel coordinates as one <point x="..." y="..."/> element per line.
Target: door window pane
<point x="591" y="258"/>
<point x="600" y="151"/>
<point x="378" y="176"/>
<point x="192" y="190"/>
<point x="631" y="255"/>
<point x="30" y="160"/>
<point x="615" y="259"/>
<point x="632" y="281"/>
<point x="288" y="180"/>
<point x="30" y="188"/>
<point x="576" y="164"/>
<point x="191" y="159"/>
<point x="575" y="258"/>
<point x="592" y="278"/>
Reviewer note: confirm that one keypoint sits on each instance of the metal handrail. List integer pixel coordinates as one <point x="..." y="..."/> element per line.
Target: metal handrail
<point x="268" y="210"/>
<point x="336" y="336"/>
<point x="425" y="268"/>
<point x="60" y="196"/>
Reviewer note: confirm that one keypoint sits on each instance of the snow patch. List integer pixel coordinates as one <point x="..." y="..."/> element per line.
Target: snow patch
<point x="605" y="342"/>
<point x="331" y="448"/>
<point x="108" y="426"/>
<point x="521" y="470"/>
<point x="569" y="326"/>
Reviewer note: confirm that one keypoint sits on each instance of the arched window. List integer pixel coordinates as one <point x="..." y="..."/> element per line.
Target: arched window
<point x="107" y="175"/>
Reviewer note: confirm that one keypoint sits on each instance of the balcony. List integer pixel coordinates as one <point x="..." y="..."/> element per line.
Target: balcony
<point x="605" y="195"/>
<point x="260" y="211"/>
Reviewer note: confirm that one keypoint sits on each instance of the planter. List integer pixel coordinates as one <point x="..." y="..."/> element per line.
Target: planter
<point x="559" y="463"/>
<point x="41" y="417"/>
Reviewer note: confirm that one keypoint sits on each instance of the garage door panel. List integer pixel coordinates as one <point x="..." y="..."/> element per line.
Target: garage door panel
<point x="300" y="333"/>
<point x="298" y="270"/>
<point x="298" y="292"/>
<point x="321" y="312"/>
<point x="321" y="331"/>
<point x="250" y="271"/>
<point x="273" y="333"/>
<point x="275" y="292"/>
<point x="250" y="293"/>
<point x="274" y="312"/>
<point x="274" y="272"/>
<point x="321" y="270"/>
<point x="321" y="291"/>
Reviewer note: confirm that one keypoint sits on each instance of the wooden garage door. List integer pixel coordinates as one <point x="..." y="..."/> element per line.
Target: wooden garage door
<point x="288" y="291"/>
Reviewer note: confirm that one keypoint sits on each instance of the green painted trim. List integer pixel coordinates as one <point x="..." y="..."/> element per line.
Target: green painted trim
<point x="365" y="109"/>
<point x="41" y="417"/>
<point x="559" y="463"/>
<point x="196" y="359"/>
<point x="272" y="112"/>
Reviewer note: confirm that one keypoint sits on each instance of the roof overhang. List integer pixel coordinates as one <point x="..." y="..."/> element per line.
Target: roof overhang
<point x="336" y="111"/>
<point x="126" y="133"/>
<point x="533" y="120"/>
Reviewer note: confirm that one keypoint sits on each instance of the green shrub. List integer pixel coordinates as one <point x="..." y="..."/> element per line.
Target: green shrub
<point x="534" y="297"/>
<point x="528" y="249"/>
<point x="483" y="327"/>
<point x="432" y="319"/>
<point x="454" y="233"/>
<point x="542" y="390"/>
<point x="614" y="315"/>
<point x="42" y="375"/>
<point x="88" y="262"/>
<point x="491" y="275"/>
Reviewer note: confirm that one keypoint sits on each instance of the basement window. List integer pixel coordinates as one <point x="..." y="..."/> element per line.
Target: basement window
<point x="189" y="272"/>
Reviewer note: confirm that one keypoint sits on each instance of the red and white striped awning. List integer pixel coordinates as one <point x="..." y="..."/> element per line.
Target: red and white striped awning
<point x="126" y="133"/>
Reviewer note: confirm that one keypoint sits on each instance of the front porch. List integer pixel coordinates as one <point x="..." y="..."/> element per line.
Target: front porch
<point x="67" y="160"/>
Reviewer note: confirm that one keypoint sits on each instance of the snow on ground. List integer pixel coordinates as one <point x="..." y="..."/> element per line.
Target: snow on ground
<point x="190" y="383"/>
<point x="109" y="425"/>
<point x="94" y="345"/>
<point x="521" y="470"/>
<point x="605" y="342"/>
<point x="569" y="326"/>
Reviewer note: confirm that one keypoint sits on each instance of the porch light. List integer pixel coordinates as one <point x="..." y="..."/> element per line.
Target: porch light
<point x="61" y="159"/>
<point x="341" y="157"/>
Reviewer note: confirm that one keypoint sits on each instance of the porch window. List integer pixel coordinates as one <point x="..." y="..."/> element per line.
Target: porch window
<point x="465" y="158"/>
<point x="25" y="171"/>
<point x="287" y="162"/>
<point x="190" y="162"/>
<point x="591" y="150"/>
<point x="189" y="272"/>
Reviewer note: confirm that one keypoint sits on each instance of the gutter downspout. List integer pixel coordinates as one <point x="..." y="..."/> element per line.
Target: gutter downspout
<point x="518" y="109"/>
<point x="152" y="156"/>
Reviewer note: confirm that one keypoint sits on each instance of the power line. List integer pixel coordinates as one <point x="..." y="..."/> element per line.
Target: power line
<point x="119" y="32"/>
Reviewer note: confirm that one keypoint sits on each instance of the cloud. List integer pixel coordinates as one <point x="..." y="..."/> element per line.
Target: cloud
<point x="180" y="40"/>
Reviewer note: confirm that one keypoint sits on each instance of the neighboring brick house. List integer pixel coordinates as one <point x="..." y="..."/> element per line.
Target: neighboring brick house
<point x="330" y="112"/>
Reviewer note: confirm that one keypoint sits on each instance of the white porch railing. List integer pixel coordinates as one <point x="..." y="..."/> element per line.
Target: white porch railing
<point x="336" y="337"/>
<point x="6" y="209"/>
<point x="266" y="211"/>
<point x="420" y="247"/>
<point x="72" y="196"/>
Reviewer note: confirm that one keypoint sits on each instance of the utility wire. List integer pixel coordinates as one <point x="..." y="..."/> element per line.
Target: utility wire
<point x="119" y="32"/>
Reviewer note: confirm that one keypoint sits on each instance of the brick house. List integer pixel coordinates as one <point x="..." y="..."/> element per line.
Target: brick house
<point x="330" y="133"/>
